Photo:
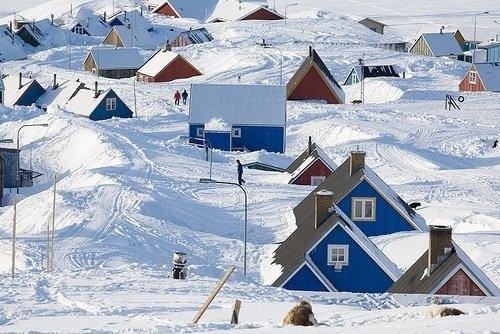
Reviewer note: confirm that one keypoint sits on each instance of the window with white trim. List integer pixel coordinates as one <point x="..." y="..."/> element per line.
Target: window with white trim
<point x="338" y="254"/>
<point x="472" y="77"/>
<point x="237" y="132"/>
<point x="316" y="180"/>
<point x="79" y="30"/>
<point x="111" y="103"/>
<point x="363" y="209"/>
<point x="199" y="132"/>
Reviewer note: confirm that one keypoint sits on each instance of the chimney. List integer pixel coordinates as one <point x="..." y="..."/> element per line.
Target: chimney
<point x="310" y="51"/>
<point x="54" y="85"/>
<point x="11" y="31"/>
<point x="309" y="146"/>
<point x="441" y="29"/>
<point x="20" y="80"/>
<point x="96" y="92"/>
<point x="167" y="47"/>
<point x="104" y="17"/>
<point x="33" y="27"/>
<point x="356" y="161"/>
<point x="323" y="206"/>
<point x="439" y="243"/>
<point x="264" y="42"/>
<point x="125" y="15"/>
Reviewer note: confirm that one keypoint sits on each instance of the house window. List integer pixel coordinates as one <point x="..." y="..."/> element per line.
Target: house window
<point x="338" y="255"/>
<point x="111" y="103"/>
<point x="237" y="132"/>
<point x="363" y="209"/>
<point x="199" y="132"/>
<point x="79" y="30"/>
<point x="316" y="180"/>
<point x="472" y="77"/>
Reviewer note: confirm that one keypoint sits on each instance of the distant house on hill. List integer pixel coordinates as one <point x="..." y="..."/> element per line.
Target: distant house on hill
<point x="113" y="63"/>
<point x="330" y="253"/>
<point x="21" y="91"/>
<point x="237" y="10"/>
<point x="372" y="25"/>
<point x="192" y="36"/>
<point x="442" y="44"/>
<point x="365" y="198"/>
<point x="481" y="77"/>
<point x="492" y="49"/>
<point x="133" y="18"/>
<point x="123" y="36"/>
<point x="9" y="49"/>
<point x="312" y="167"/>
<point x="85" y="22"/>
<point x="361" y="71"/>
<point x="34" y="32"/>
<point x="239" y="117"/>
<point x="166" y="65"/>
<point x="313" y="81"/>
<point x="444" y="269"/>
<point x="200" y="9"/>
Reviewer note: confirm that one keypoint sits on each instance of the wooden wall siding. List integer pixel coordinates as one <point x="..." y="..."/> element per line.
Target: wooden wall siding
<point x="262" y="14"/>
<point x="351" y="277"/>
<point x="313" y="87"/>
<point x="118" y="74"/>
<point x="387" y="219"/>
<point x="113" y="39"/>
<point x="219" y="140"/>
<point x="304" y="279"/>
<point x="177" y="69"/>
<point x="493" y="54"/>
<point x="318" y="168"/>
<point x="460" y="284"/>
<point x="421" y="48"/>
<point x="166" y="10"/>
<point x="100" y="113"/>
<point x="466" y="86"/>
<point x="180" y="41"/>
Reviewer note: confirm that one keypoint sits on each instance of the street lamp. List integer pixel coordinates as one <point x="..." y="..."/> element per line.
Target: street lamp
<point x="281" y="61"/>
<point x="475" y="44"/>
<point x="205" y="141"/>
<point x="292" y="4"/>
<point x="18" y="152"/>
<point x="245" y="230"/>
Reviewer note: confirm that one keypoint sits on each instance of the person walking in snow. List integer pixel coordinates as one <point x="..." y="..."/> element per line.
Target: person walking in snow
<point x="177" y="97"/>
<point x="240" y="173"/>
<point x="184" y="96"/>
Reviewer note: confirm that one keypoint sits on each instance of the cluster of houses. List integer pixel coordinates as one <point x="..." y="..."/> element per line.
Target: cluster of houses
<point x="330" y="250"/>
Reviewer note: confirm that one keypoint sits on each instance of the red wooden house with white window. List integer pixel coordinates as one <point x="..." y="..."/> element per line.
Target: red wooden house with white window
<point x="481" y="77"/>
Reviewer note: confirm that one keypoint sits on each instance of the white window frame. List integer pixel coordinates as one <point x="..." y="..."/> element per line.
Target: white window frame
<point x="473" y="77"/>
<point x="111" y="103"/>
<point x="79" y="30"/>
<point x="338" y="255"/>
<point x="315" y="179"/>
<point x="364" y="201"/>
<point x="200" y="132"/>
<point x="236" y="132"/>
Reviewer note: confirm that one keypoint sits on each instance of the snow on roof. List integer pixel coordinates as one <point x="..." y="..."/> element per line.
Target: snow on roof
<point x="94" y="24"/>
<point x="238" y="104"/>
<point x="9" y="51"/>
<point x="117" y="58"/>
<point x="196" y="9"/>
<point x="234" y="10"/>
<point x="217" y="124"/>
<point x="12" y="90"/>
<point x="442" y="44"/>
<point x="157" y="62"/>
<point x="60" y="94"/>
<point x="134" y="18"/>
<point x="84" y="102"/>
<point x="134" y="37"/>
<point x="490" y="75"/>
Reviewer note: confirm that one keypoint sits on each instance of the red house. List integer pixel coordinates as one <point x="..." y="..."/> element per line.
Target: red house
<point x="313" y="81"/>
<point x="195" y="9"/>
<point x="312" y="167"/>
<point x="166" y="65"/>
<point x="481" y="77"/>
<point x="237" y="10"/>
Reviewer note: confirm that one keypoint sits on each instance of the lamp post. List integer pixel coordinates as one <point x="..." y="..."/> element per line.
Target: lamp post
<point x="292" y="4"/>
<point x="475" y="44"/>
<point x="281" y="61"/>
<point x="245" y="228"/>
<point x="18" y="152"/>
<point x="205" y="141"/>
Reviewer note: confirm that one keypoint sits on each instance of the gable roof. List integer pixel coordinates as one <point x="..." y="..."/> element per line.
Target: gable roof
<point x="238" y="104"/>
<point x="38" y="29"/>
<point x="235" y="10"/>
<point x="134" y="18"/>
<point x="441" y="44"/>
<point x="291" y="253"/>
<point x="132" y="37"/>
<point x="13" y="93"/>
<point x="341" y="183"/>
<point x="196" y="36"/>
<point x="372" y="71"/>
<point x="414" y="280"/>
<point x="196" y="9"/>
<point x="369" y="21"/>
<point x="159" y="61"/>
<point x="313" y="60"/>
<point x="116" y="58"/>
<point x="84" y="102"/>
<point x="8" y="50"/>
<point x="306" y="159"/>
<point x="489" y="73"/>
<point x="60" y="93"/>
<point x="93" y="24"/>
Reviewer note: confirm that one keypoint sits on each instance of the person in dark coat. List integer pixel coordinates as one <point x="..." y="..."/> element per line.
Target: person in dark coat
<point x="240" y="173"/>
<point x="495" y="143"/>
<point x="184" y="96"/>
<point x="177" y="97"/>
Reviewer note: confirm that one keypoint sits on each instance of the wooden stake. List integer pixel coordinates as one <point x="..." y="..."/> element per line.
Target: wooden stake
<point x="213" y="294"/>
<point x="236" y="312"/>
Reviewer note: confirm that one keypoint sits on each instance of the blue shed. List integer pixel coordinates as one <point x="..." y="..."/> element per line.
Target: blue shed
<point x="492" y="51"/>
<point x="255" y="115"/>
<point x="332" y="254"/>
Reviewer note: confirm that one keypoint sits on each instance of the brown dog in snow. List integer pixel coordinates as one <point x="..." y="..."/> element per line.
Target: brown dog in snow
<point x="300" y="315"/>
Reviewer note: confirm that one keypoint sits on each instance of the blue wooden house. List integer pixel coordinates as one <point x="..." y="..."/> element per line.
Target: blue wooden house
<point x="359" y="72"/>
<point x="492" y="51"/>
<point x="330" y="253"/>
<point x="20" y="91"/>
<point x="239" y="117"/>
<point x="365" y="198"/>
